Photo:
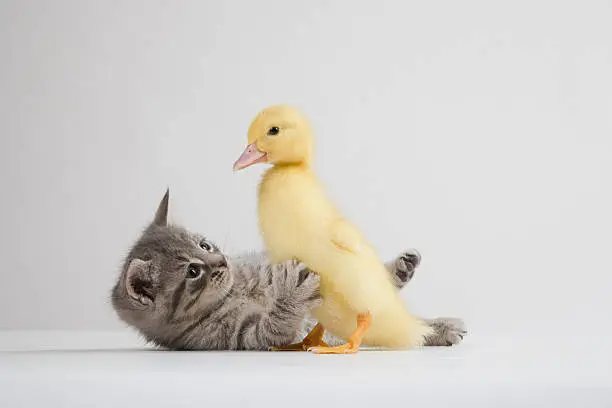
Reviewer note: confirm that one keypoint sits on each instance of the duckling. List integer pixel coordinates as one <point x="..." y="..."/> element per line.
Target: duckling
<point x="297" y="221"/>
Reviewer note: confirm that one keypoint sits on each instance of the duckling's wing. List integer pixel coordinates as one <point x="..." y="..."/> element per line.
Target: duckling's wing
<point x="345" y="237"/>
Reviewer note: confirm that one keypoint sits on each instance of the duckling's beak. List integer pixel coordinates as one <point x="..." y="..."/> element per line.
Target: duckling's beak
<point x="249" y="157"/>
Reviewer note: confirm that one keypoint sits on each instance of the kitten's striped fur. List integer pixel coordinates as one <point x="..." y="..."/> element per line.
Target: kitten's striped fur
<point x="180" y="292"/>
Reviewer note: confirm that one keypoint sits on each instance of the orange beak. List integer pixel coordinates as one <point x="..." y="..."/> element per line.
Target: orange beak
<point x="249" y="157"/>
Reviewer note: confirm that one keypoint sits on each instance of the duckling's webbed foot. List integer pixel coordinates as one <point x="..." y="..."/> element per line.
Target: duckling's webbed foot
<point x="352" y="345"/>
<point x="313" y="339"/>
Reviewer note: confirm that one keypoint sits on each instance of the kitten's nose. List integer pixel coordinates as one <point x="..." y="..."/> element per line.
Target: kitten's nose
<point x="218" y="267"/>
<point x="219" y="263"/>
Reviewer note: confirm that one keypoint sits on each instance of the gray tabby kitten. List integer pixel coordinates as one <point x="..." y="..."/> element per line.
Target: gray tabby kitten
<point x="181" y="292"/>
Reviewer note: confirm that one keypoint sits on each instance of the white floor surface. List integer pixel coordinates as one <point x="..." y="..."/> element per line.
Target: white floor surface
<point x="102" y="369"/>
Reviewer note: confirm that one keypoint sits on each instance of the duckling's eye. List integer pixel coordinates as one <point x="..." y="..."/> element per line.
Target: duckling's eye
<point x="273" y="131"/>
<point x="206" y="246"/>
<point x="194" y="271"/>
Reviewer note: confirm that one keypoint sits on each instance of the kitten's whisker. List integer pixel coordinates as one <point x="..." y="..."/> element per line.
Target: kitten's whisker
<point x="224" y="243"/>
<point x="226" y="291"/>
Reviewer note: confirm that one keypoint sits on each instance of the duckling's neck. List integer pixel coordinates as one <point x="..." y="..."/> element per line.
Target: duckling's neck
<point x="302" y="162"/>
<point x="304" y="165"/>
<point x="288" y="168"/>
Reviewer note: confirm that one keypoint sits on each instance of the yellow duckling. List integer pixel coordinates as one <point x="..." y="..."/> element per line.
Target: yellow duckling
<point x="297" y="221"/>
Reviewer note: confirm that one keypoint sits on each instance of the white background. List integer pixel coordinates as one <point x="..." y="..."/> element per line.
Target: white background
<point x="478" y="132"/>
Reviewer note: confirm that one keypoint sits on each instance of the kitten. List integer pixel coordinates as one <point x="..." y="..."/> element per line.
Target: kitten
<point x="181" y="292"/>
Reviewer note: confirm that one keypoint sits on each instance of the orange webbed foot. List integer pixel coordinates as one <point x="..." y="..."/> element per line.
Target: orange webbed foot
<point x="343" y="349"/>
<point x="313" y="339"/>
<point x="352" y="345"/>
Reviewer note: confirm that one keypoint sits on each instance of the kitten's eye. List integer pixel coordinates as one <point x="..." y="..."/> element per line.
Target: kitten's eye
<point x="273" y="131"/>
<point x="194" y="271"/>
<point x="206" y="246"/>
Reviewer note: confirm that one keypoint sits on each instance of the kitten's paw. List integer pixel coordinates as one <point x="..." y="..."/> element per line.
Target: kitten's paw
<point x="405" y="265"/>
<point x="448" y="331"/>
<point x="411" y="257"/>
<point x="307" y="288"/>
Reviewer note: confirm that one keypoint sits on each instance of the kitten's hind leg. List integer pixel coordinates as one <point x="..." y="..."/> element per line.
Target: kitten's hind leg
<point x="448" y="331"/>
<point x="313" y="339"/>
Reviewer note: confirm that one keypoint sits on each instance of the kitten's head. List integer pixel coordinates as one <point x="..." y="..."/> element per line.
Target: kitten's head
<point x="169" y="276"/>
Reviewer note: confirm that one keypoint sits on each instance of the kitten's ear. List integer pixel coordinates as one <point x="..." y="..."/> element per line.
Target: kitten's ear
<point x="161" y="216"/>
<point x="139" y="282"/>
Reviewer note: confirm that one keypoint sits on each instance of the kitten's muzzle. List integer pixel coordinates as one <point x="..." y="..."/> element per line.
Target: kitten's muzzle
<point x="223" y="263"/>
<point x="218" y="272"/>
<point x="220" y="262"/>
<point x="218" y="267"/>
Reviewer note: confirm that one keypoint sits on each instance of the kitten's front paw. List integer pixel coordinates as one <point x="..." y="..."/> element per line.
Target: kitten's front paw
<point x="405" y="265"/>
<point x="307" y="288"/>
<point x="448" y="331"/>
